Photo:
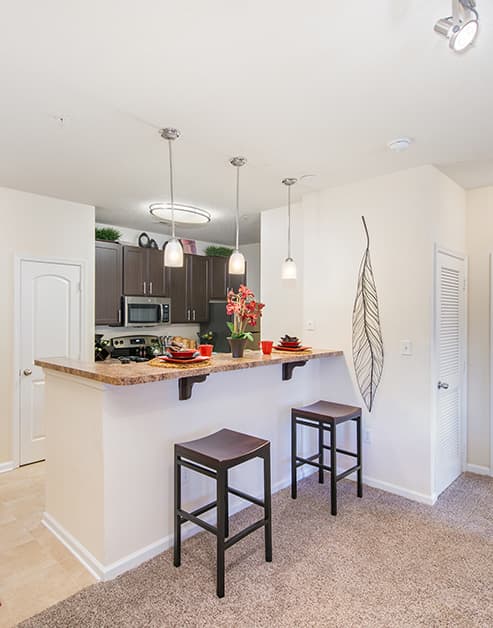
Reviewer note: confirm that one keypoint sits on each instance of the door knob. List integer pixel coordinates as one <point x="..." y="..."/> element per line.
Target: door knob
<point x="27" y="372"/>
<point x="443" y="385"/>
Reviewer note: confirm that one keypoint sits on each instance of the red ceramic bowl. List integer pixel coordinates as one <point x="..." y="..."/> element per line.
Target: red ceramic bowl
<point x="283" y="343"/>
<point x="184" y="353"/>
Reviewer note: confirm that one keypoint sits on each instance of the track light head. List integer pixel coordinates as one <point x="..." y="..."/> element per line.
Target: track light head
<point x="461" y="28"/>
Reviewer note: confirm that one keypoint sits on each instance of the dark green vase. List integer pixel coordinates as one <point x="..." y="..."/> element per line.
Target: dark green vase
<point x="237" y="346"/>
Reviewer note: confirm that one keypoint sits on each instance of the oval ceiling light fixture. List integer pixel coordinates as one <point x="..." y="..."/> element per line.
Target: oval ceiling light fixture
<point x="400" y="144"/>
<point x="183" y="214"/>
<point x="173" y="251"/>
<point x="461" y="28"/>
<point x="236" y="265"/>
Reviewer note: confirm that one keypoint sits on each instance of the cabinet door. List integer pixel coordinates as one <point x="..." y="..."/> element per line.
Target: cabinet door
<point x="108" y="283"/>
<point x="198" y="285"/>
<point x="135" y="271"/>
<point x="234" y="281"/>
<point x="156" y="274"/>
<point x="180" y="313"/>
<point x="218" y="277"/>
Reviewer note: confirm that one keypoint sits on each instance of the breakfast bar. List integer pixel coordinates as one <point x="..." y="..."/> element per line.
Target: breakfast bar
<point x="112" y="427"/>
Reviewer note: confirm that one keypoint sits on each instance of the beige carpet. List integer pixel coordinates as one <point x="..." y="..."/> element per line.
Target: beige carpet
<point x="383" y="561"/>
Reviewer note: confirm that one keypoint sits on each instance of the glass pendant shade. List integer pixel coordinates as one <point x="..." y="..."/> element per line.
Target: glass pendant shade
<point x="236" y="264"/>
<point x="288" y="269"/>
<point x="173" y="253"/>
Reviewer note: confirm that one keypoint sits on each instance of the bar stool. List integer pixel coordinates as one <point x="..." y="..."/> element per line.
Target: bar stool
<point x="213" y="456"/>
<point x="325" y="417"/>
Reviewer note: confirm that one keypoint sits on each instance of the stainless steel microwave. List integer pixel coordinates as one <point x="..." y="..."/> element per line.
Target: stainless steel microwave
<point x="146" y="311"/>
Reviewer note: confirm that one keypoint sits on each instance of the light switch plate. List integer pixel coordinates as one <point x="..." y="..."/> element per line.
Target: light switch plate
<point x="406" y="347"/>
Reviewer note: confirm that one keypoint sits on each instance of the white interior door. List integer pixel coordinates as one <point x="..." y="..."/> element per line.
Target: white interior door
<point x="450" y="282"/>
<point x="50" y="326"/>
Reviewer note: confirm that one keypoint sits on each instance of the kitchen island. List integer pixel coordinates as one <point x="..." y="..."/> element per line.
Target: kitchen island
<point x="110" y="435"/>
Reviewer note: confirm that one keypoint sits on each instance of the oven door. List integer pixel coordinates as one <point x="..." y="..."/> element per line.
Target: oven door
<point x="143" y="312"/>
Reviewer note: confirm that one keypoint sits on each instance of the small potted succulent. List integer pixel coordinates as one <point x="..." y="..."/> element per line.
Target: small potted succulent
<point x="245" y="311"/>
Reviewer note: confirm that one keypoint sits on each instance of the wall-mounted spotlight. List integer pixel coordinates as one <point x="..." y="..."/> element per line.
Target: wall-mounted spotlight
<point x="462" y="26"/>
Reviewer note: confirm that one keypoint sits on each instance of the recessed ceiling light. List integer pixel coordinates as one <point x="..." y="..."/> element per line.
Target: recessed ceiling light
<point x="400" y="144"/>
<point x="184" y="214"/>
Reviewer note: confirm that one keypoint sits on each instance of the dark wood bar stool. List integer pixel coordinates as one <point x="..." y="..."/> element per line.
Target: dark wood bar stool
<point x="213" y="456"/>
<point x="325" y="417"/>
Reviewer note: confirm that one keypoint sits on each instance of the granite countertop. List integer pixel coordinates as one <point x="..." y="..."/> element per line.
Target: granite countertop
<point x="117" y="374"/>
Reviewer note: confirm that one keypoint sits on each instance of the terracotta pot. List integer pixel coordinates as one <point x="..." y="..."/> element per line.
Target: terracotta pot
<point x="237" y="346"/>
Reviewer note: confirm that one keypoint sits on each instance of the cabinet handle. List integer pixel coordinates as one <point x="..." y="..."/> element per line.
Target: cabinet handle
<point x="150" y="287"/>
<point x="145" y="287"/>
<point x="188" y="315"/>
<point x="193" y="314"/>
<point x="119" y="316"/>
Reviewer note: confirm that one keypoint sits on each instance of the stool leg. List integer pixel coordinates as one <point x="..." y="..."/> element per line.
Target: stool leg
<point x="359" y="458"/>
<point x="177" y="539"/>
<point x="333" y="470"/>
<point x="320" y="453"/>
<point x="267" y="507"/>
<point x="293" y="457"/>
<point x="226" y="505"/>
<point x="221" y="521"/>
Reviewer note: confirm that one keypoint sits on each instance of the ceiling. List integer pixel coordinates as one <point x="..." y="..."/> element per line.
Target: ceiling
<point x="317" y="87"/>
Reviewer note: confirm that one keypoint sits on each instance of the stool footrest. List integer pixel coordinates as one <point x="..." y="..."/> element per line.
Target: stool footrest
<point x="241" y="535"/>
<point x="347" y="472"/>
<point x="301" y="461"/>
<point x="342" y="451"/>
<point x="188" y="516"/>
<point x="249" y="498"/>
<point x="202" y="509"/>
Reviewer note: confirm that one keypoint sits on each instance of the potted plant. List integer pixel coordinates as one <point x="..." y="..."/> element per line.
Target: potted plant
<point x="245" y="311"/>
<point x="107" y="234"/>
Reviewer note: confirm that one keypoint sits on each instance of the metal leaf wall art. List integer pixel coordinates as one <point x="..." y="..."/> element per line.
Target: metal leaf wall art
<point x="367" y="334"/>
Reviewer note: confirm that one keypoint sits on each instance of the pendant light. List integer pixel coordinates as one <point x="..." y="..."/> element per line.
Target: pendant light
<point x="173" y="251"/>
<point x="236" y="264"/>
<point x="288" y="268"/>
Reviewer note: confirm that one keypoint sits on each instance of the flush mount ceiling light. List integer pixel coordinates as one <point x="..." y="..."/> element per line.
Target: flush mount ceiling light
<point x="183" y="214"/>
<point x="400" y="144"/>
<point x="461" y="28"/>
<point x="288" y="268"/>
<point x="173" y="251"/>
<point x="236" y="264"/>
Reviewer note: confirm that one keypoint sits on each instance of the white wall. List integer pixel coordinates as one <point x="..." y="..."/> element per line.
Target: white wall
<point x="252" y="257"/>
<point x="38" y="226"/>
<point x="480" y="245"/>
<point x="406" y="213"/>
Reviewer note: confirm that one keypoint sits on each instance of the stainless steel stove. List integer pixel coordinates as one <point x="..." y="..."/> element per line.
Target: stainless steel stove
<point x="135" y="348"/>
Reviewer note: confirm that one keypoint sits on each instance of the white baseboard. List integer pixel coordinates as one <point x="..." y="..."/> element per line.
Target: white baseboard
<point x="7" y="466"/>
<point x="414" y="496"/>
<point x="108" y="572"/>
<point x="478" y="469"/>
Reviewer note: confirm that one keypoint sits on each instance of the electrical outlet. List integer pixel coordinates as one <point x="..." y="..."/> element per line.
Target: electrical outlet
<point x="310" y="325"/>
<point x="406" y="347"/>
<point x="367" y="436"/>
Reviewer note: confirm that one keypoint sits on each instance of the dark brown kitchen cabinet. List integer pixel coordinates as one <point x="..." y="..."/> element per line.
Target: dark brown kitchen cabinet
<point x="219" y="279"/>
<point x="189" y="290"/>
<point x="143" y="272"/>
<point x="108" y="271"/>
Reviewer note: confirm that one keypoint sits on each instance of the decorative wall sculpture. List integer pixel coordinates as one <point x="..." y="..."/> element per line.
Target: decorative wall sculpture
<point x="367" y="334"/>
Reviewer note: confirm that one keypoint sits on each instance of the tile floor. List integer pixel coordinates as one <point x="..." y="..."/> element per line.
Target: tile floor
<point x="36" y="570"/>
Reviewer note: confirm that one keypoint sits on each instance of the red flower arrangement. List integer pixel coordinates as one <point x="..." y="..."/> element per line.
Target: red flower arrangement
<point x="245" y="311"/>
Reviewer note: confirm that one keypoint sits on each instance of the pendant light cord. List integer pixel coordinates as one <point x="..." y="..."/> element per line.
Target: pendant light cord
<point x="237" y="207"/>
<point x="289" y="222"/>
<point x="171" y="191"/>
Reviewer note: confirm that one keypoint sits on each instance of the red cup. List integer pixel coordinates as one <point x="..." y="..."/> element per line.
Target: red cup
<point x="206" y="350"/>
<point x="266" y="346"/>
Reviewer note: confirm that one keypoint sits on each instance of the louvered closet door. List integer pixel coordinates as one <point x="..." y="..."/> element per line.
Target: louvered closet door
<point x="450" y="361"/>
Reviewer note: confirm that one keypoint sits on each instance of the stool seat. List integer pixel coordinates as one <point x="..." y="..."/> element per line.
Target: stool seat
<point x="327" y="411"/>
<point x="222" y="449"/>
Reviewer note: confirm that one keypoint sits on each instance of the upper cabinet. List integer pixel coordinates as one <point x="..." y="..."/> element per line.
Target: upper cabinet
<point x="189" y="290"/>
<point x="219" y="279"/>
<point x="108" y="271"/>
<point x="143" y="272"/>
